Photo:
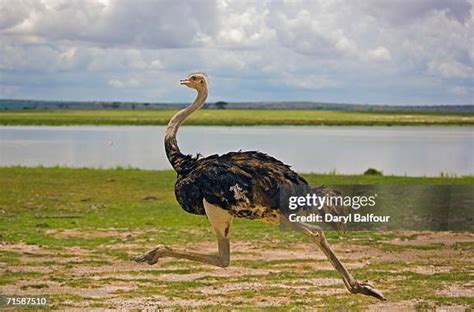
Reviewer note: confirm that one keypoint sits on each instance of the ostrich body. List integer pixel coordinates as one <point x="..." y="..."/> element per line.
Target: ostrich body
<point x="236" y="184"/>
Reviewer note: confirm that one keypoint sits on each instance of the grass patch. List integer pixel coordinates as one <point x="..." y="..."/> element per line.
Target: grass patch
<point x="26" y="200"/>
<point x="10" y="257"/>
<point x="8" y="277"/>
<point x="231" y="118"/>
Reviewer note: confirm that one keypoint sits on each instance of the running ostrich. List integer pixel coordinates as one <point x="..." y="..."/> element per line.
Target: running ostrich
<point x="236" y="184"/>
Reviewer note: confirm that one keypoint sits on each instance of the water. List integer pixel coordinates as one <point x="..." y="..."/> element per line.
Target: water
<point x="414" y="151"/>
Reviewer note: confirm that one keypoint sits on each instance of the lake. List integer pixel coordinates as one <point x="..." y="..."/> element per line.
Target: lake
<point x="414" y="151"/>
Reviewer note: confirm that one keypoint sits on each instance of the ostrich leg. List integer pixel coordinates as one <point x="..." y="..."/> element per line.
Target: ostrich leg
<point x="220" y="220"/>
<point x="317" y="235"/>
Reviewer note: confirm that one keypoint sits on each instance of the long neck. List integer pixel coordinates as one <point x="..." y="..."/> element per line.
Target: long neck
<point x="173" y="153"/>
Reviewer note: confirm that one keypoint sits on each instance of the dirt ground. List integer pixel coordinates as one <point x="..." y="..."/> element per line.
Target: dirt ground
<point x="413" y="274"/>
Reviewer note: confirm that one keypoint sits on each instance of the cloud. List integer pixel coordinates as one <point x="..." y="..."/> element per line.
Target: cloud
<point x="14" y="13"/>
<point x="449" y="68"/>
<point x="460" y="90"/>
<point x="311" y="31"/>
<point x="400" y="12"/>
<point x="152" y="24"/>
<point x="131" y="82"/>
<point x="394" y="52"/>
<point x="116" y="83"/>
<point x="380" y="53"/>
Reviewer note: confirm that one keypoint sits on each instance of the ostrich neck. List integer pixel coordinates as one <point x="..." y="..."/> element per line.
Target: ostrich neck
<point x="171" y="145"/>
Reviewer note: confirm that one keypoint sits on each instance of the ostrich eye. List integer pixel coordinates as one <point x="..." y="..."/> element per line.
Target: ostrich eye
<point x="201" y="81"/>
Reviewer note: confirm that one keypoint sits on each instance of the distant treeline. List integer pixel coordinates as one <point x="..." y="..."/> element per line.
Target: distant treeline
<point x="7" y="104"/>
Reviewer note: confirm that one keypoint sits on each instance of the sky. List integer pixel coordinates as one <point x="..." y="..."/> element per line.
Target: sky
<point x="399" y="52"/>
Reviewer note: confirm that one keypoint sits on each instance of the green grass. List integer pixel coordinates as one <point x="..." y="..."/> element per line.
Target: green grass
<point x="230" y="117"/>
<point x="31" y="199"/>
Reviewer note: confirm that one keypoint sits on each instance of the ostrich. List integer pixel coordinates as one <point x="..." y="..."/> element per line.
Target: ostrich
<point x="236" y="184"/>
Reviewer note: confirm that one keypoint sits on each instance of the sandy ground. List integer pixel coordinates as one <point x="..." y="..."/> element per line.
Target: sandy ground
<point x="259" y="276"/>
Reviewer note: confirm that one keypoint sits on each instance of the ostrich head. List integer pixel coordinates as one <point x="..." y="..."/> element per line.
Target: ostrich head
<point x="196" y="81"/>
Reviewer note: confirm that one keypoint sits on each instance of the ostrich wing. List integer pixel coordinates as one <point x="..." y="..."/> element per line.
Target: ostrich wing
<point x="235" y="179"/>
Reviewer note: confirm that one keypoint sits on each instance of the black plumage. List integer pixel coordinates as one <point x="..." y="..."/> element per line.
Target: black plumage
<point x="246" y="184"/>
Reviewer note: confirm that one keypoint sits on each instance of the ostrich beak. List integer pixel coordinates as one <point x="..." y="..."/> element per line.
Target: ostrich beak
<point x="184" y="81"/>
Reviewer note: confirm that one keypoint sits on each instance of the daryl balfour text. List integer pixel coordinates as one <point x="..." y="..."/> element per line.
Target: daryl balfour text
<point x="329" y="218"/>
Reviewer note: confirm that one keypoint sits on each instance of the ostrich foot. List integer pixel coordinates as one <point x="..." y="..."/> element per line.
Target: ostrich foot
<point x="367" y="289"/>
<point x="151" y="257"/>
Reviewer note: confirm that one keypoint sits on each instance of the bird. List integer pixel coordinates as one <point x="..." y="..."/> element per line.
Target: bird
<point x="243" y="184"/>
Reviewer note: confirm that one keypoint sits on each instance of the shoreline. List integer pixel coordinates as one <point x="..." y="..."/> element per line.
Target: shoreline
<point x="326" y="178"/>
<point x="227" y="117"/>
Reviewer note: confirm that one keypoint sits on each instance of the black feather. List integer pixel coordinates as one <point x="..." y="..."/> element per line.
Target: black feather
<point x="257" y="176"/>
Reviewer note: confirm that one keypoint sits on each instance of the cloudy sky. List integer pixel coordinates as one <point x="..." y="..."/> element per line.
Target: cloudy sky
<point x="410" y="52"/>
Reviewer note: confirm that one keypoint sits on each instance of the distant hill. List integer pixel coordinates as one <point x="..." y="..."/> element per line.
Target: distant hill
<point x="6" y="104"/>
